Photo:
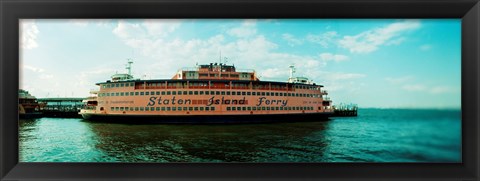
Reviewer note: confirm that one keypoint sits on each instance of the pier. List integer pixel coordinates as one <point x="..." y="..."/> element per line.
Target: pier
<point x="60" y="107"/>
<point x="345" y="110"/>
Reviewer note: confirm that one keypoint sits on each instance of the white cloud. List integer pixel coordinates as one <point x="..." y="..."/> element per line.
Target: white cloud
<point x="129" y="30"/>
<point x="371" y="40"/>
<point x="161" y="27"/>
<point x="28" y="36"/>
<point x="425" y="47"/>
<point x="247" y="29"/>
<point x="414" y="87"/>
<point x="323" y="39"/>
<point x="345" y="76"/>
<point x="334" y="57"/>
<point x="291" y="40"/>
<point x="79" y="22"/>
<point x="33" y="69"/>
<point x="399" y="80"/>
<point x="443" y="89"/>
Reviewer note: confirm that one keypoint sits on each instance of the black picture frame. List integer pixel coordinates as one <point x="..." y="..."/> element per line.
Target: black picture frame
<point x="13" y="10"/>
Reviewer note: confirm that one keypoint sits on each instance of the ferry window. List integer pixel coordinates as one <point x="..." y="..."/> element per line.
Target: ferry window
<point x="195" y="92"/>
<point x="207" y="92"/>
<point x="131" y="93"/>
<point x="268" y="93"/>
<point x="174" y="92"/>
<point x="234" y="108"/>
<point x="152" y="109"/>
<point x="263" y="93"/>
<point x="168" y="92"/>
<point x="244" y="108"/>
<point x="228" y="93"/>
<point x="268" y="108"/>
<point x="249" y="108"/>
<point x="212" y="109"/>
<point x="117" y="94"/>
<point x="244" y="93"/>
<point x="239" y="93"/>
<point x="116" y="85"/>
<point x="174" y="108"/>
<point x="212" y="92"/>
<point x="281" y="108"/>
<point x="190" y="92"/>
<point x="207" y="108"/>
<point x="201" y="92"/>
<point x="163" y="92"/>
<point x="103" y="86"/>
<point x="201" y="108"/>
<point x="142" y="93"/>
<point x="253" y="93"/>
<point x="196" y="108"/>
<point x="157" y="108"/>
<point x="276" y="93"/>
<point x="152" y="93"/>
<point x="277" y="108"/>
<point x="122" y="94"/>
<point x="136" y="108"/>
<point x="185" y="108"/>
<point x="136" y="93"/>
<point x="249" y="93"/>
<point x="117" y="108"/>
<point x="239" y="108"/>
<point x="179" y="92"/>
<point x="190" y="108"/>
<point x="163" y="108"/>
<point x="263" y="108"/>
<point x="223" y="92"/>
<point x="280" y="94"/>
<point x="132" y="84"/>
<point x="146" y="109"/>
<point x="289" y="94"/>
<point x="254" y="108"/>
<point x="147" y="93"/>
<point x="228" y="108"/>
<point x="131" y="108"/>
<point x="111" y="108"/>
<point x="217" y="93"/>
<point x="185" y="93"/>
<point x="168" y="108"/>
<point x="296" y="94"/>
<point x="234" y="93"/>
<point x="108" y="85"/>
<point x="122" y="85"/>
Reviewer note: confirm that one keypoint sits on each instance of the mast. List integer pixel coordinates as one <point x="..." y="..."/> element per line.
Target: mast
<point x="129" y="66"/>
<point x="292" y="70"/>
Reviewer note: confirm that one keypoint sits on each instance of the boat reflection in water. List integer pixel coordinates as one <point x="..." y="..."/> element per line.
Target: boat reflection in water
<point x="282" y="142"/>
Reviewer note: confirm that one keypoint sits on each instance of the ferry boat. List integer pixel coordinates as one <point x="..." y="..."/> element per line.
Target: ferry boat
<point x="28" y="107"/>
<point x="210" y="93"/>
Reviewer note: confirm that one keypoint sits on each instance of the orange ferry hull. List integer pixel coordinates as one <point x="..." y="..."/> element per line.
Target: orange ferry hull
<point x="209" y="119"/>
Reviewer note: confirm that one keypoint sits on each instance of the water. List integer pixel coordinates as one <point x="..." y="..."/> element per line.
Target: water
<point x="376" y="135"/>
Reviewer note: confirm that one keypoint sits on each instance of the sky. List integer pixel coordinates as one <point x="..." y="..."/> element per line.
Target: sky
<point x="375" y="63"/>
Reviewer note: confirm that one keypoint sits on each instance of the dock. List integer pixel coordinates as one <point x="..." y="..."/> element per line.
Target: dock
<point x="60" y="107"/>
<point x="345" y="110"/>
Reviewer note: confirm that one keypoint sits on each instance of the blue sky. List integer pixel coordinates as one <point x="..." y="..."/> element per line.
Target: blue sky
<point x="392" y="63"/>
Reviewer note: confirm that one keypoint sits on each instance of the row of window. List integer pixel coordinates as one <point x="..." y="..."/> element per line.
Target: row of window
<point x="204" y="84"/>
<point x="244" y="108"/>
<point x="162" y="108"/>
<point x="239" y="93"/>
<point x="268" y="108"/>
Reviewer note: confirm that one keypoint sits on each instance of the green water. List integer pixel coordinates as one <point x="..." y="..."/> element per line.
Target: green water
<point x="376" y="135"/>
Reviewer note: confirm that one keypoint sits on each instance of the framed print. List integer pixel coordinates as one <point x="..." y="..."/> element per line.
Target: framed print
<point x="122" y="90"/>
